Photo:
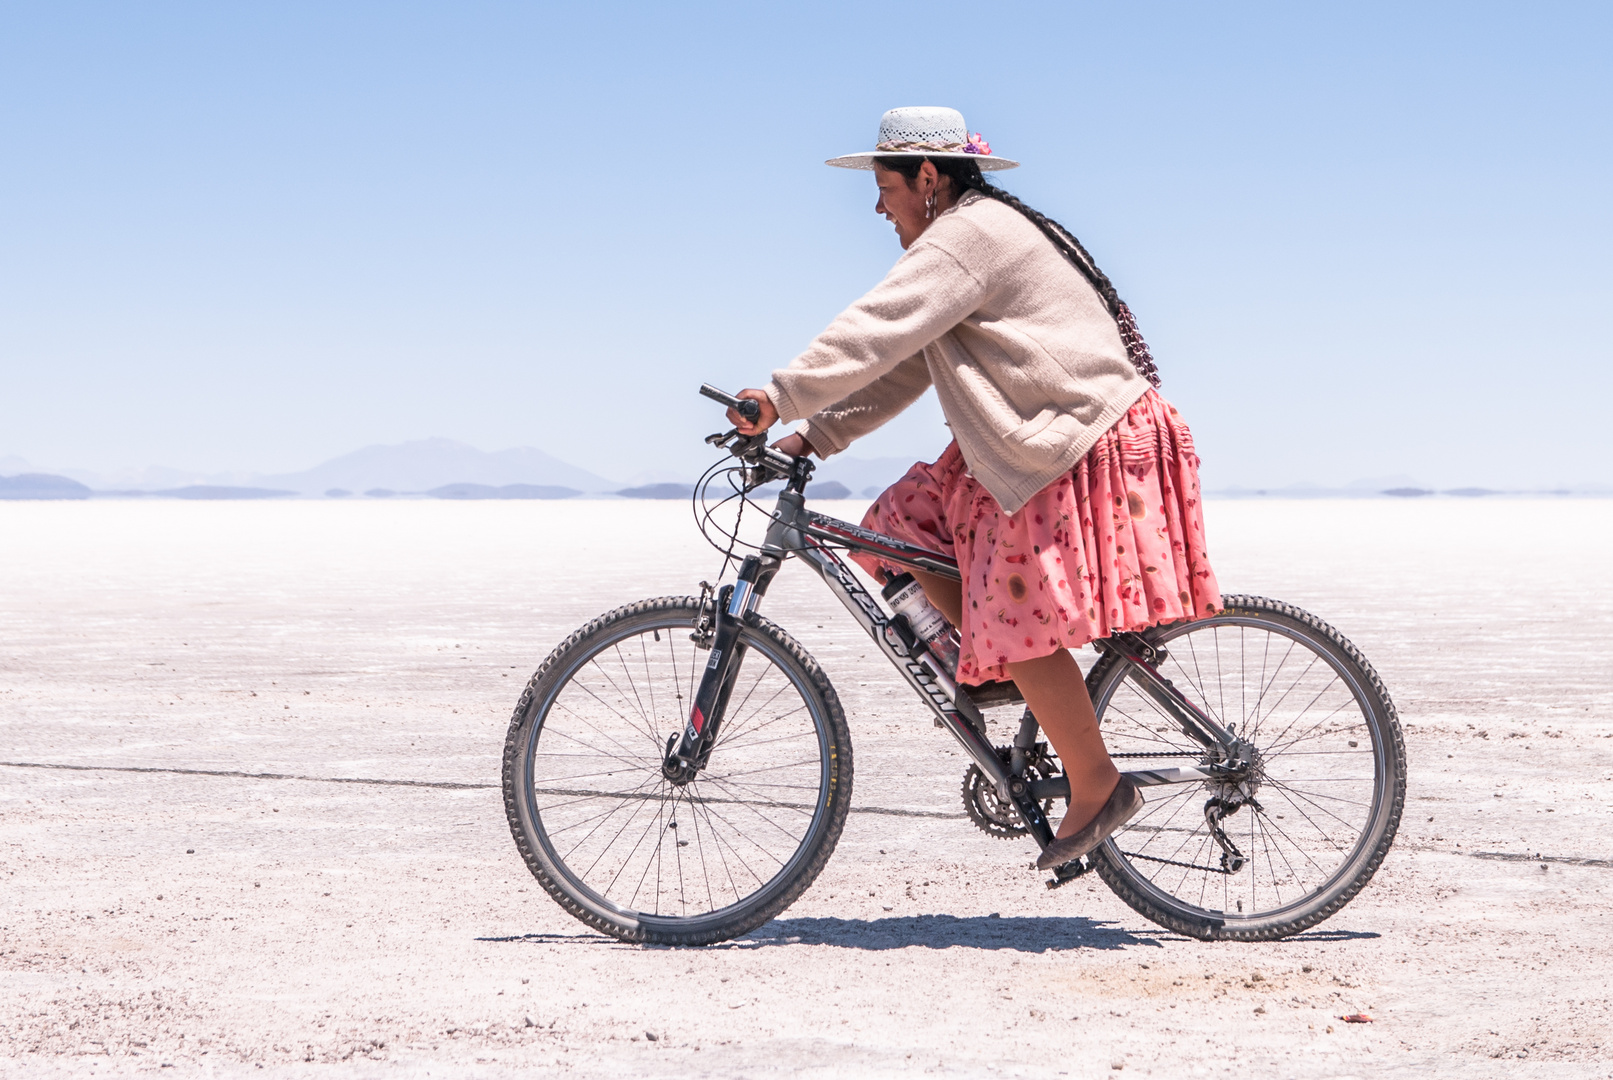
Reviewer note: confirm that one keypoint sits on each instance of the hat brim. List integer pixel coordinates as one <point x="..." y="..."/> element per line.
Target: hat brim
<point x="865" y="160"/>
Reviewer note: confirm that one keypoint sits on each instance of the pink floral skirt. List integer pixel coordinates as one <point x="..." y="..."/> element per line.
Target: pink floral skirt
<point x="1116" y="544"/>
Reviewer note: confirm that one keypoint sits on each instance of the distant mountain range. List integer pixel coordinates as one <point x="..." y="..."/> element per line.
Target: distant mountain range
<point x="445" y="469"/>
<point x="1401" y="490"/>
<point x="481" y="491"/>
<point x="425" y="464"/>
<point x="41" y="486"/>
<point x="866" y="477"/>
<point x="441" y="468"/>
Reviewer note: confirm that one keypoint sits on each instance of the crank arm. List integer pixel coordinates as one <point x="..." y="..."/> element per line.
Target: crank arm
<point x="955" y="712"/>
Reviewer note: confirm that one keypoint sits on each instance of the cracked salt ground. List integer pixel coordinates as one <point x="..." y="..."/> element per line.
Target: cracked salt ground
<point x="354" y="905"/>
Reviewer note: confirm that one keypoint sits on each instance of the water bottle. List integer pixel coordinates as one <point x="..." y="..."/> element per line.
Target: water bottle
<point x="906" y="597"/>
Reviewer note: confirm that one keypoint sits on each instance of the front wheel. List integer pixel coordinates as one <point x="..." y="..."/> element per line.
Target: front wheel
<point x="636" y="855"/>
<point x="1314" y="817"/>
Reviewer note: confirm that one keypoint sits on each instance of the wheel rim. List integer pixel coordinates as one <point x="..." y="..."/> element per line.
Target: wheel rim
<point x="1319" y="784"/>
<point x="638" y="848"/>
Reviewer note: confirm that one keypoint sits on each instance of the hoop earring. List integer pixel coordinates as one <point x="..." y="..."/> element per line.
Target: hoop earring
<point x="929" y="207"/>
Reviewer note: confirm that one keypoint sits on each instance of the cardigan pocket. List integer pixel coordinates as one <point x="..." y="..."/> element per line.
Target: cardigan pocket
<point x="1025" y="434"/>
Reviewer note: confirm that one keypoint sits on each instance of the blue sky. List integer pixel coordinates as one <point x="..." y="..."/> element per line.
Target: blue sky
<point x="1361" y="239"/>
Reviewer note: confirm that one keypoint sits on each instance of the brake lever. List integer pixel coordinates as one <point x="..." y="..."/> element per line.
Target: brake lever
<point x="750" y="448"/>
<point x="754" y="451"/>
<point x="721" y="439"/>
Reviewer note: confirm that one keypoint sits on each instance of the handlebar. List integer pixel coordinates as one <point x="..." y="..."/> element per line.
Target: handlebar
<point x="766" y="464"/>
<point x="745" y="407"/>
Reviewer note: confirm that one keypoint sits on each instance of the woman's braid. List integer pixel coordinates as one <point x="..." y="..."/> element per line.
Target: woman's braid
<point x="1063" y="239"/>
<point x="966" y="175"/>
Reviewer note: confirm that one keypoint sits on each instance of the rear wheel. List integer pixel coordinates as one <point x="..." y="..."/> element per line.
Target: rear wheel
<point x="1317" y="815"/>
<point x="636" y="855"/>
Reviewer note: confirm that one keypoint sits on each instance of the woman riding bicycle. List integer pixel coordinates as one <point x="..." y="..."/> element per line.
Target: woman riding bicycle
<point x="1069" y="495"/>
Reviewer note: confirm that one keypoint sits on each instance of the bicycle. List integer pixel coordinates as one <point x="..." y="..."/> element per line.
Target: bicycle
<point x="678" y="771"/>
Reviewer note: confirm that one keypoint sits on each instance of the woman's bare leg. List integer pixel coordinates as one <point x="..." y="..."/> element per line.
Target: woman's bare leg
<point x="1057" y="695"/>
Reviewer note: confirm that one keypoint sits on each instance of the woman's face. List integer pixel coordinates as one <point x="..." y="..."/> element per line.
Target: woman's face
<point x="903" y="201"/>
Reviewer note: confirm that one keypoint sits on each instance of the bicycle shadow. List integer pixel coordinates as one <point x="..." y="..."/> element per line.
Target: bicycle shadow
<point x="1032" y="934"/>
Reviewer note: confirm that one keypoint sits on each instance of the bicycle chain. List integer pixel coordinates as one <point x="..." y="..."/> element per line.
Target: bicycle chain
<point x="1175" y="862"/>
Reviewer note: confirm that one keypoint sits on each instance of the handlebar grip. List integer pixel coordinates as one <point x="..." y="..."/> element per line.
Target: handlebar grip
<point x="746" y="407"/>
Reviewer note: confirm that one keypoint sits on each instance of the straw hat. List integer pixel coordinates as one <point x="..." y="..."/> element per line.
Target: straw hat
<point x="927" y="130"/>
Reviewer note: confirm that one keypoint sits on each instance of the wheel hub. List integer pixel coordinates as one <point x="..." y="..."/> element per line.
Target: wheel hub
<point x="678" y="771"/>
<point x="1239" y="774"/>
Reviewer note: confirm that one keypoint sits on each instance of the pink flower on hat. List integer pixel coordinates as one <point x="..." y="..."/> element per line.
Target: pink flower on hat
<point x="977" y="144"/>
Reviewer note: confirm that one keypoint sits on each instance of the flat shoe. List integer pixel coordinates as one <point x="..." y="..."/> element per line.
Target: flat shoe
<point x="1122" y="806"/>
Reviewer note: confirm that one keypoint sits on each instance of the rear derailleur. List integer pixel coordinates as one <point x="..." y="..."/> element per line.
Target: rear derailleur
<point x="1217" y="810"/>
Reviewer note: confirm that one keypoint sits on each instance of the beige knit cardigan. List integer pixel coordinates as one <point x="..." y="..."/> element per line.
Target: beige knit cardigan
<point x="1024" y="356"/>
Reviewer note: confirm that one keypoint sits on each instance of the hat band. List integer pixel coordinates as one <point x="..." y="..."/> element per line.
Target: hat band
<point x="908" y="147"/>
<point x="976" y="144"/>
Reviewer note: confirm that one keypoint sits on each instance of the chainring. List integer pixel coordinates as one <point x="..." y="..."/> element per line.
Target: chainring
<point x="993" y="815"/>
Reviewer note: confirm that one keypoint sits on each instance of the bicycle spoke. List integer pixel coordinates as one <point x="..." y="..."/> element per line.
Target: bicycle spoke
<point x="1259" y="716"/>
<point x="751" y="745"/>
<point x="1220" y="685"/>
<point x="554" y="832"/>
<point x="732" y="733"/>
<point x="1160" y="804"/>
<point x="594" y="728"/>
<point x="594" y="663"/>
<point x="638" y="805"/>
<point x="1301" y="714"/>
<point x="751" y="806"/>
<point x="1290" y="866"/>
<point x="628" y="858"/>
<point x="743" y="835"/>
<point x="653" y="860"/>
<point x="722" y="842"/>
<point x="1275" y="687"/>
<point x="1299" y="848"/>
<point x="1148" y="734"/>
<point x="1283" y="785"/>
<point x="583" y="776"/>
<point x="628" y="677"/>
<point x="1198" y="683"/>
<point x="1308" y="732"/>
<point x="623" y="830"/>
<point x="1297" y="680"/>
<point x="649" y="686"/>
<point x="736" y="713"/>
<point x="727" y="782"/>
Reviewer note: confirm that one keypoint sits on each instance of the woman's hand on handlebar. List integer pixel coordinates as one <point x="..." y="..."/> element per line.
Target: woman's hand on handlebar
<point x="768" y="418"/>
<point x="795" y="444"/>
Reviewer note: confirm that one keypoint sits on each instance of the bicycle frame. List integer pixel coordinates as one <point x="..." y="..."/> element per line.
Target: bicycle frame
<point x="813" y="538"/>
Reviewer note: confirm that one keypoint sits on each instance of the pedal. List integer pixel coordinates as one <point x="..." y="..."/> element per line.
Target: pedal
<point x="1063" y="875"/>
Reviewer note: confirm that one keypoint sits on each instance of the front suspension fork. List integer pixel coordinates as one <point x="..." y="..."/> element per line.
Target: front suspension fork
<point x="687" y="752"/>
